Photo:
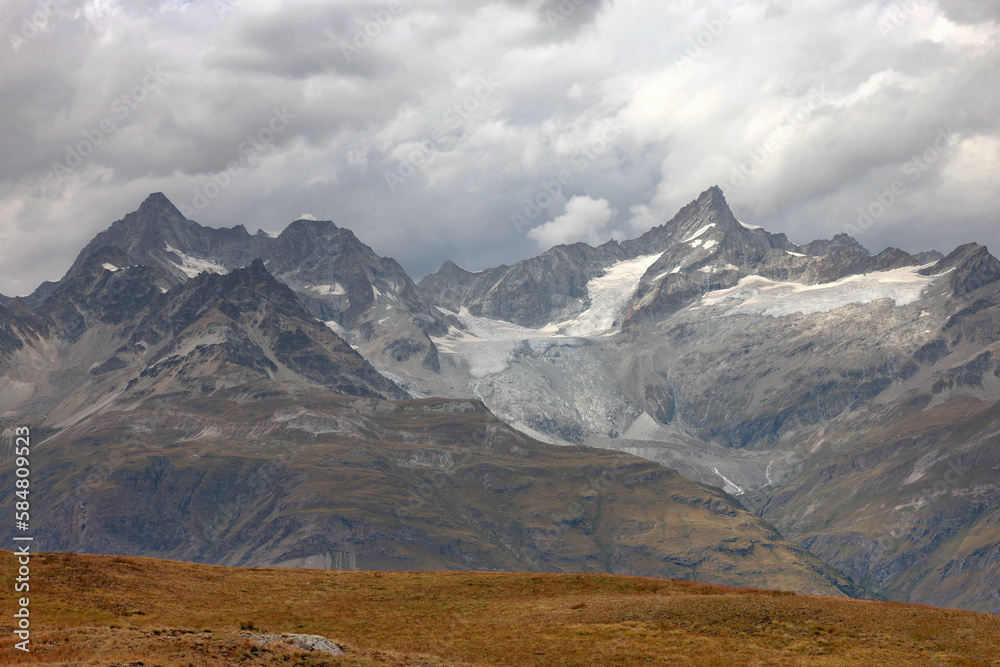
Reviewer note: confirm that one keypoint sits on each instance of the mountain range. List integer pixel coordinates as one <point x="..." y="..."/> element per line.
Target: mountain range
<point x="707" y="401"/>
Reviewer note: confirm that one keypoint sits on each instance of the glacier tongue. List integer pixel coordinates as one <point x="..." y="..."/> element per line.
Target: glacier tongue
<point x="609" y="296"/>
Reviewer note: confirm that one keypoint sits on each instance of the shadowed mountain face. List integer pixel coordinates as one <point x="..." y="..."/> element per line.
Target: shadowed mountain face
<point x="155" y="234"/>
<point x="370" y="300"/>
<point x="112" y="335"/>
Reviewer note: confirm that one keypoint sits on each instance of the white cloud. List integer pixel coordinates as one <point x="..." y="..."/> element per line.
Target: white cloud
<point x="585" y="219"/>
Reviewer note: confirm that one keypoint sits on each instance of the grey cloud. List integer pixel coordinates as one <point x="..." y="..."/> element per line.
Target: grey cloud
<point x="412" y="93"/>
<point x="971" y="11"/>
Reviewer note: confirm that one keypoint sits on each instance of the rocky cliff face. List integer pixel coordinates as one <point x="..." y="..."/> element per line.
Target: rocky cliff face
<point x="113" y="334"/>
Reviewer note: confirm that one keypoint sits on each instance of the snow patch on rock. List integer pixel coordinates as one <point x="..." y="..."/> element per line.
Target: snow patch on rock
<point x="334" y="326"/>
<point x="192" y="266"/>
<point x="699" y="232"/>
<point x="336" y="289"/>
<point x="665" y="274"/>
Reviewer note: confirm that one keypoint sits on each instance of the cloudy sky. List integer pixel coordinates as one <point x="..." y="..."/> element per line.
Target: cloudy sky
<point x="484" y="132"/>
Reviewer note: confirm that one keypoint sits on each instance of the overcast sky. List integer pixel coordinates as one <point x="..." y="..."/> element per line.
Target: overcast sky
<point x="437" y="129"/>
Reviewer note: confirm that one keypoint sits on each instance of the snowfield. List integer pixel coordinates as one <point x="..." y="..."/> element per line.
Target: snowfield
<point x="192" y="266"/>
<point x="760" y="296"/>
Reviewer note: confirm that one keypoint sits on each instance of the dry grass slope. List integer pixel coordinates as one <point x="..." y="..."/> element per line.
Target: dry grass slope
<point x="112" y="610"/>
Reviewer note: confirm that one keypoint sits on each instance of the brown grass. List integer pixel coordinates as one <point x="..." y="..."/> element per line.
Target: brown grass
<point x="112" y="610"/>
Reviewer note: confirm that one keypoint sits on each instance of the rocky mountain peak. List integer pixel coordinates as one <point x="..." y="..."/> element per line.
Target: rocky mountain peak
<point x="249" y="288"/>
<point x="450" y="268"/>
<point x="714" y="200"/>
<point x="158" y="203"/>
<point x="972" y="266"/>
<point x="709" y="214"/>
<point x="840" y="242"/>
<point x="155" y="218"/>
